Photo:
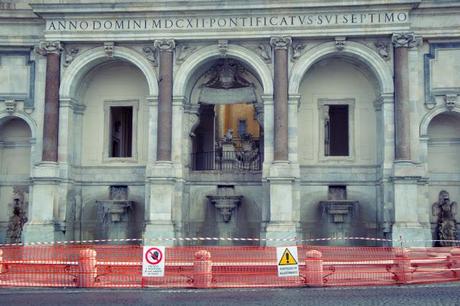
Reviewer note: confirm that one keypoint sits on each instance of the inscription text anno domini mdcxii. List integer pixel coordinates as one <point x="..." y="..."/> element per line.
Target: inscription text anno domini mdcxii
<point x="227" y="22"/>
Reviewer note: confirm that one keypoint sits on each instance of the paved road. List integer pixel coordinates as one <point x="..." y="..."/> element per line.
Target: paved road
<point x="448" y="294"/>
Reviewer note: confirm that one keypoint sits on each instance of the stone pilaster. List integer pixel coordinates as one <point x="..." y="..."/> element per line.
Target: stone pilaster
<point x="52" y="51"/>
<point x="407" y="176"/>
<point x="280" y="96"/>
<point x="164" y="131"/>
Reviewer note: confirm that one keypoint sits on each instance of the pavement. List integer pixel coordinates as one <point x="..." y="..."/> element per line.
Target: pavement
<point x="420" y="295"/>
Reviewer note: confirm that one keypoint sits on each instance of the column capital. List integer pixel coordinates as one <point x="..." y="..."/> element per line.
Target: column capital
<point x="46" y="47"/>
<point x="405" y="40"/>
<point x="166" y="45"/>
<point x="280" y="42"/>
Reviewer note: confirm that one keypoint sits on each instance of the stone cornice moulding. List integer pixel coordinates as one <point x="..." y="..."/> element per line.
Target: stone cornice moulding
<point x="113" y="6"/>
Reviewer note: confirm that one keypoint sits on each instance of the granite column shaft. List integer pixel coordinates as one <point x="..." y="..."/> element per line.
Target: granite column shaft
<point x="280" y="97"/>
<point x="164" y="131"/>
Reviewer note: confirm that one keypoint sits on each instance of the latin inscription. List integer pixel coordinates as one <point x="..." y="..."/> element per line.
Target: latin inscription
<point x="227" y="22"/>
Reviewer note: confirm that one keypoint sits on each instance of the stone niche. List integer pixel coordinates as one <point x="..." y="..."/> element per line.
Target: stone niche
<point x="339" y="215"/>
<point x="114" y="213"/>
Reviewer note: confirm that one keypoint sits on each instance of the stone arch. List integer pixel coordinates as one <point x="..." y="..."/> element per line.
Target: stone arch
<point x="425" y="123"/>
<point x="89" y="59"/>
<point x="27" y="119"/>
<point x="354" y="50"/>
<point x="194" y="61"/>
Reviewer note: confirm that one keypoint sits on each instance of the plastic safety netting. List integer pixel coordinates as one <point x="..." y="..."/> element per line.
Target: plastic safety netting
<point x="112" y="266"/>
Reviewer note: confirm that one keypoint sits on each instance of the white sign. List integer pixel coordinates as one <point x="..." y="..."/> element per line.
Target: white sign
<point x="288" y="261"/>
<point x="153" y="261"/>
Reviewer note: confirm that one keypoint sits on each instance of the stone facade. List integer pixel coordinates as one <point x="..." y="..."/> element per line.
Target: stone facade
<point x="357" y="105"/>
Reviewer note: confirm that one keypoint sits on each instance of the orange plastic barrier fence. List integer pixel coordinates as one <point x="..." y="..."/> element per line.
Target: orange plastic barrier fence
<point x="111" y="266"/>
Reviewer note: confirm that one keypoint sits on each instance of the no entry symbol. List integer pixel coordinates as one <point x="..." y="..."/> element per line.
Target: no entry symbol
<point x="153" y="256"/>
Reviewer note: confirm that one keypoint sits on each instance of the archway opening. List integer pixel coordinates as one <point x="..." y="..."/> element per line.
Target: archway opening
<point x="228" y="136"/>
<point x="15" y="164"/>
<point x="339" y="148"/>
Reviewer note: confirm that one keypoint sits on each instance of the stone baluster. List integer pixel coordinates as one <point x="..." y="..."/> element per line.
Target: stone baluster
<point x="52" y="50"/>
<point x="164" y="131"/>
<point x="280" y="96"/>
<point x="402" y="42"/>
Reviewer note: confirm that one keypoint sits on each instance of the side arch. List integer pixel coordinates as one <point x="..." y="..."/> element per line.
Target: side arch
<point x="90" y="58"/>
<point x="194" y="61"/>
<point x="430" y="116"/>
<point x="352" y="49"/>
<point x="27" y="119"/>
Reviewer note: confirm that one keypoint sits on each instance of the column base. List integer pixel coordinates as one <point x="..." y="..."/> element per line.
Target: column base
<point x="40" y="232"/>
<point x="159" y="230"/>
<point x="281" y="231"/>
<point x="412" y="235"/>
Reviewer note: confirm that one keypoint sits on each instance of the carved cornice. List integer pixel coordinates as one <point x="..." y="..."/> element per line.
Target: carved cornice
<point x="404" y="40"/>
<point x="280" y="42"/>
<point x="165" y="45"/>
<point x="49" y="47"/>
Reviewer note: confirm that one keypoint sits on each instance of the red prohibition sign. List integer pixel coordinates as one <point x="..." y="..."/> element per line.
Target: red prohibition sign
<point x="153" y="256"/>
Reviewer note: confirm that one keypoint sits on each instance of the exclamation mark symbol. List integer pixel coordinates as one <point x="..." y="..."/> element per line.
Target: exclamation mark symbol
<point x="287" y="258"/>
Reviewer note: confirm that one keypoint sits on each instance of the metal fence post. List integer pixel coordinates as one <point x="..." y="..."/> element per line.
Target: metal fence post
<point x="87" y="268"/>
<point x="202" y="269"/>
<point x="403" y="263"/>
<point x="314" y="267"/>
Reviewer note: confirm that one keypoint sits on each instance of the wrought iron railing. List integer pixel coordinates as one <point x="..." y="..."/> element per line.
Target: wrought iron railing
<point x="221" y="160"/>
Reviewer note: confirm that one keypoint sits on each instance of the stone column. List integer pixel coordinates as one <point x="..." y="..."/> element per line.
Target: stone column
<point x="161" y="176"/>
<point x="164" y="131"/>
<point x="46" y="175"/>
<point x="280" y="96"/>
<point x="52" y="51"/>
<point x="402" y="42"/>
<point x="407" y="176"/>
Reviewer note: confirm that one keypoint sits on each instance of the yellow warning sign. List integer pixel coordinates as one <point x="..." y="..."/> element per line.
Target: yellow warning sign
<point x="287" y="259"/>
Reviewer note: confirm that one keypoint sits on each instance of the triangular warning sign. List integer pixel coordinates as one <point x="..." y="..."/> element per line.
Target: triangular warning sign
<point x="287" y="259"/>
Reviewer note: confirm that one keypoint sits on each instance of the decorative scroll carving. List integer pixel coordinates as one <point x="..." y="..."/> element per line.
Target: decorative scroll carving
<point x="151" y="54"/>
<point x="70" y="55"/>
<point x="404" y="40"/>
<point x="265" y="52"/>
<point x="46" y="47"/>
<point x="108" y="48"/>
<point x="182" y="52"/>
<point x="280" y="42"/>
<point x="340" y="43"/>
<point x="451" y="100"/>
<point x="297" y="50"/>
<point x="222" y="44"/>
<point x="383" y="49"/>
<point x="165" y="44"/>
<point x="444" y="210"/>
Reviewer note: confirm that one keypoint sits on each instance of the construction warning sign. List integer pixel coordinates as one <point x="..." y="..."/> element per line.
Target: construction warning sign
<point x="153" y="261"/>
<point x="288" y="262"/>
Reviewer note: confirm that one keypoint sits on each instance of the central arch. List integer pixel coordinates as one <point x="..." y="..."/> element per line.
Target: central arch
<point x="192" y="63"/>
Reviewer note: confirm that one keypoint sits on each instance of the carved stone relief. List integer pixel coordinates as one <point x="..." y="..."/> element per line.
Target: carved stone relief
<point x="69" y="55"/>
<point x="151" y="54"/>
<point x="183" y="51"/>
<point x="108" y="48"/>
